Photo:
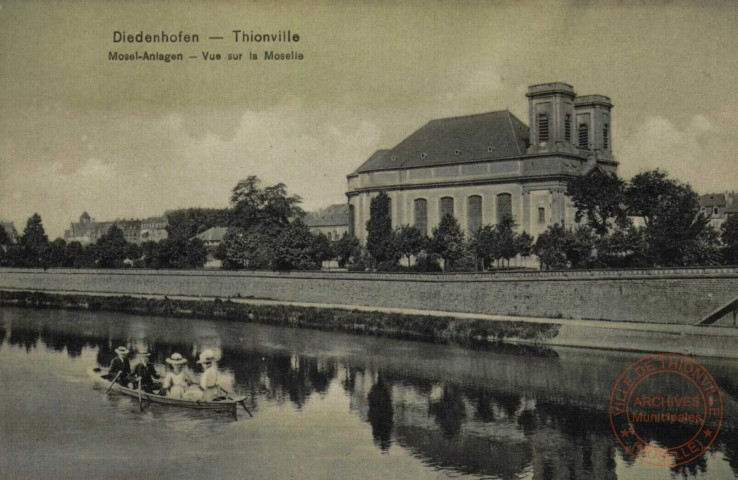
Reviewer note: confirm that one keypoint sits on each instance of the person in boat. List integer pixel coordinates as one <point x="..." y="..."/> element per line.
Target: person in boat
<point x="120" y="364"/>
<point x="177" y="381"/>
<point x="210" y="379"/>
<point x="145" y="373"/>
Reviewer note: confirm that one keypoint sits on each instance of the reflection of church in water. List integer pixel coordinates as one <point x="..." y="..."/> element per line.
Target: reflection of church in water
<point x="482" y="168"/>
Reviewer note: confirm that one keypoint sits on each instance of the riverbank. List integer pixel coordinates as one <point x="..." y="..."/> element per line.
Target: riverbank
<point x="423" y="325"/>
<point x="664" y="296"/>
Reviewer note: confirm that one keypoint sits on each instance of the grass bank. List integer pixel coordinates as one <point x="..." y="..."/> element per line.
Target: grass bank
<point x="468" y="332"/>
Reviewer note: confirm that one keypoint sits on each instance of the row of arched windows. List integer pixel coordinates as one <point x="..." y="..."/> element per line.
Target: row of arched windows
<point x="474" y="209"/>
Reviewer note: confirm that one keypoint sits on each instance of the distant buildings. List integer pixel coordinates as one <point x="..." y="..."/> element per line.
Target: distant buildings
<point x="332" y="221"/>
<point x="88" y="230"/>
<point x="719" y="206"/>
<point x="10" y="231"/>
<point x="154" y="229"/>
<point x="483" y="168"/>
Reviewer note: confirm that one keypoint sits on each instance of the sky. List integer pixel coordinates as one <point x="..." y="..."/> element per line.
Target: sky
<point x="134" y="139"/>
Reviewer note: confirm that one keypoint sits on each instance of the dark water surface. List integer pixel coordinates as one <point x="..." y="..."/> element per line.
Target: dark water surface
<point x="325" y="406"/>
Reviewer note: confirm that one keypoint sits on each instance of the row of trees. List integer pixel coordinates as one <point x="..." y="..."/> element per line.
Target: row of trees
<point x="650" y="221"/>
<point x="266" y="231"/>
<point x="672" y="230"/>
<point x="34" y="250"/>
<point x="490" y="244"/>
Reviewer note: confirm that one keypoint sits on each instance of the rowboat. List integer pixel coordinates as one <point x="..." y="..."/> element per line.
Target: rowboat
<point x="221" y="404"/>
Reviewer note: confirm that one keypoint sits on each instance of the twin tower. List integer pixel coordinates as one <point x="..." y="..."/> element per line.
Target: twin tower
<point x="562" y="122"/>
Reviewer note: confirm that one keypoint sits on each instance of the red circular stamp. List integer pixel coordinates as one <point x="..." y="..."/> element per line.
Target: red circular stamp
<point x="666" y="409"/>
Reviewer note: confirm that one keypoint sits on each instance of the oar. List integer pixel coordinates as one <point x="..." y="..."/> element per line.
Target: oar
<point x="242" y="402"/>
<point x="140" y="405"/>
<point x="113" y="382"/>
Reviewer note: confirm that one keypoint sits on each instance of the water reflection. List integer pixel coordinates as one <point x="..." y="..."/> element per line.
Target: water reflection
<point x="501" y="413"/>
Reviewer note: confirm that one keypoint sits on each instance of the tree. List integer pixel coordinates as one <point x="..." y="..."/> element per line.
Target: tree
<point x="133" y="251"/>
<point x="676" y="232"/>
<point x="150" y="254"/>
<point x="578" y="246"/>
<point x="111" y="248"/>
<point x="180" y="253"/>
<point x="294" y="249"/>
<point x="409" y="242"/>
<point x="447" y="240"/>
<point x="57" y="253"/>
<point x="34" y="242"/>
<point x="72" y="253"/>
<point x="322" y="248"/>
<point x="484" y="245"/>
<point x="346" y="248"/>
<point x="4" y="238"/>
<point x="267" y="210"/>
<point x="550" y="248"/>
<point x="186" y="223"/>
<point x="524" y="245"/>
<point x="729" y="237"/>
<point x="622" y="248"/>
<point x="599" y="198"/>
<point x="380" y="241"/>
<point x="251" y="250"/>
<point x="257" y="221"/>
<point x="506" y="239"/>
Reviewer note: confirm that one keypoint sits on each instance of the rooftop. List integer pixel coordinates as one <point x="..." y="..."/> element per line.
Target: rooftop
<point x="471" y="138"/>
<point x="333" y="215"/>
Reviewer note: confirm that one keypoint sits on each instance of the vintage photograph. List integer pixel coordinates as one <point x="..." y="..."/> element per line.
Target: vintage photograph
<point x="368" y="240"/>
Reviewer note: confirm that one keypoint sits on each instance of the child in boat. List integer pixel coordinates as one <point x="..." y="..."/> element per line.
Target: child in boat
<point x="176" y="382"/>
<point x="120" y="364"/>
<point x="145" y="373"/>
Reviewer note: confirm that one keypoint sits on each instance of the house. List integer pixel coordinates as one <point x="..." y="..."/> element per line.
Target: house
<point x="331" y="221"/>
<point x="212" y="237"/>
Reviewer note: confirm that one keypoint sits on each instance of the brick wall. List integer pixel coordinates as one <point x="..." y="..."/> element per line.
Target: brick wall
<point x="658" y="295"/>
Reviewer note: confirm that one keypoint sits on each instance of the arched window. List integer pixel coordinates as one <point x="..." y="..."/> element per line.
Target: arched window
<point x="421" y="215"/>
<point x="447" y="207"/>
<point x="583" y="135"/>
<point x="473" y="213"/>
<point x="352" y="221"/>
<point x="504" y="206"/>
<point x="543" y="128"/>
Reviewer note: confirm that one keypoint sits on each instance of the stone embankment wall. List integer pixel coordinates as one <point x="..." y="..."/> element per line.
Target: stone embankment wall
<point x="680" y="296"/>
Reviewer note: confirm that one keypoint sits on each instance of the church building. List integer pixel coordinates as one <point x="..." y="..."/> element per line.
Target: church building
<point x="482" y="168"/>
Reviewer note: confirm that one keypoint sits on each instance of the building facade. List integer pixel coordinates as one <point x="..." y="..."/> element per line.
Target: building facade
<point x="719" y="207"/>
<point x="331" y="221"/>
<point x="88" y="230"/>
<point x="482" y="168"/>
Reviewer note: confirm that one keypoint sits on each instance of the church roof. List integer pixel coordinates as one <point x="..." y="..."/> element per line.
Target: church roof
<point x="485" y="136"/>
<point x="333" y="215"/>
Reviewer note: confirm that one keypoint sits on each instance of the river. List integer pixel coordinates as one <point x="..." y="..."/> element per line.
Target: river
<point x="325" y="405"/>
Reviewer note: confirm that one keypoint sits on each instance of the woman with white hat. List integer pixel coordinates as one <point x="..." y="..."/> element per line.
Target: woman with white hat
<point x="120" y="366"/>
<point x="210" y="379"/>
<point x="176" y="382"/>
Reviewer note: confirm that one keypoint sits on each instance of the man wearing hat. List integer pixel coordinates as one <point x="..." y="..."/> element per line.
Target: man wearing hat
<point x="120" y="365"/>
<point x="145" y="372"/>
